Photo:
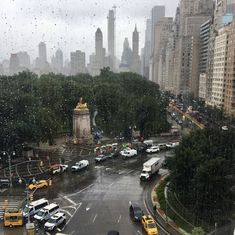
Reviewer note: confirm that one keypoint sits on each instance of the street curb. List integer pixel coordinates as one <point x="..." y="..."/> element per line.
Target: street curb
<point x="160" y="212"/>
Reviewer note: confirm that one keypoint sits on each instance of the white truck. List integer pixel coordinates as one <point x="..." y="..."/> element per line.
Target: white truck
<point x="80" y="165"/>
<point x="127" y="153"/>
<point x="58" y="168"/>
<point x="150" y="167"/>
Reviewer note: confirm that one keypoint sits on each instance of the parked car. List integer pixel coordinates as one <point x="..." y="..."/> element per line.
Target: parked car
<point x="4" y="183"/>
<point x="224" y="128"/>
<point x="55" y="221"/>
<point x="172" y="145"/>
<point x="129" y="153"/>
<point x="153" y="149"/>
<point x="149" y="225"/>
<point x="125" y="149"/>
<point x="113" y="232"/>
<point x="34" y="207"/>
<point x="80" y="165"/>
<point x="101" y="158"/>
<point x="112" y="155"/>
<point x="58" y="168"/>
<point x="136" y="212"/>
<point x="46" y="212"/>
<point x="162" y="146"/>
<point x="39" y="184"/>
<point x="149" y="143"/>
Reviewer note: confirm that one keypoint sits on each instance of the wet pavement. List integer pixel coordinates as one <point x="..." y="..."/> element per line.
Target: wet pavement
<point x="96" y="200"/>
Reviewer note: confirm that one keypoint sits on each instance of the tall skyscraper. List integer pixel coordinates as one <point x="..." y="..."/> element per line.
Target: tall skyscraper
<point x="14" y="64"/>
<point x="135" y="65"/>
<point x="147" y="49"/>
<point x="193" y="13"/>
<point x="157" y="13"/>
<point x="24" y="60"/>
<point x="111" y="38"/>
<point x="42" y="53"/>
<point x="229" y="96"/>
<point x="162" y="30"/>
<point x="77" y="62"/>
<point x="205" y="31"/>
<point x="99" y="50"/>
<point x="135" y="42"/>
<point x="57" y="62"/>
<point x="126" y="59"/>
<point x="204" y="42"/>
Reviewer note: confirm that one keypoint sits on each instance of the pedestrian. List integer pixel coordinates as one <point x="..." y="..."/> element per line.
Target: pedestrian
<point x="154" y="207"/>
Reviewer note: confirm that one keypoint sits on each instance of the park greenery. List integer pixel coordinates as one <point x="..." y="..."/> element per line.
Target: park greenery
<point x="202" y="175"/>
<point x="36" y="109"/>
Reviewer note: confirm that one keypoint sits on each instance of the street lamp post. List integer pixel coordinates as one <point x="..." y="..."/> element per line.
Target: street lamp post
<point x="5" y="153"/>
<point x="27" y="194"/>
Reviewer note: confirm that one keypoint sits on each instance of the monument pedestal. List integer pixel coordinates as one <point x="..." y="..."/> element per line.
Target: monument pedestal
<point x="81" y="125"/>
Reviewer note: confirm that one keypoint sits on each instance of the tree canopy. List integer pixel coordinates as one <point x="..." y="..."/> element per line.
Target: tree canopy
<point x="34" y="109"/>
<point x="201" y="173"/>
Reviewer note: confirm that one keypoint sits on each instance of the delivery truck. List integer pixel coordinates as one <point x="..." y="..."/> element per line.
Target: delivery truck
<point x="150" y="167"/>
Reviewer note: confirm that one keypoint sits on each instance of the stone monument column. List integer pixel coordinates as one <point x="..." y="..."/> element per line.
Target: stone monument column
<point x="81" y="124"/>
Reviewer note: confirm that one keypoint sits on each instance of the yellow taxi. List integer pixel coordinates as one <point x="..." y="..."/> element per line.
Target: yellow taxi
<point x="149" y="225"/>
<point x="39" y="184"/>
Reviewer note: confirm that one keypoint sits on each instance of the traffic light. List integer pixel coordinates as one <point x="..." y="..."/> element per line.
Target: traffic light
<point x="31" y="197"/>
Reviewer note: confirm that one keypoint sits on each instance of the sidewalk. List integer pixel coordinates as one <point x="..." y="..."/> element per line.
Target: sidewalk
<point x="168" y="221"/>
<point x="10" y="202"/>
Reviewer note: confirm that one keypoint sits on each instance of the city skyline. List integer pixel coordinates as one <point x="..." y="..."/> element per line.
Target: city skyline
<point x="69" y="29"/>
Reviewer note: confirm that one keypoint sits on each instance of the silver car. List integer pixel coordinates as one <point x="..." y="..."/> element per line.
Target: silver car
<point x="56" y="220"/>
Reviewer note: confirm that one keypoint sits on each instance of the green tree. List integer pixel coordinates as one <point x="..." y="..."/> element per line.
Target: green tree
<point x="198" y="231"/>
<point x="199" y="173"/>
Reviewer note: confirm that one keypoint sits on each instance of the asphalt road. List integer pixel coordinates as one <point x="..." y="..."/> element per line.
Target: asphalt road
<point x="96" y="200"/>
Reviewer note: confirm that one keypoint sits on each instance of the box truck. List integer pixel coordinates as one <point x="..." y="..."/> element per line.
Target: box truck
<point x="150" y="167"/>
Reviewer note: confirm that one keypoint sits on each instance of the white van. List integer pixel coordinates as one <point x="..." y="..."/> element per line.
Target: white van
<point x="34" y="207"/>
<point x="46" y="212"/>
<point x="129" y="153"/>
<point x="149" y="143"/>
<point x="80" y="165"/>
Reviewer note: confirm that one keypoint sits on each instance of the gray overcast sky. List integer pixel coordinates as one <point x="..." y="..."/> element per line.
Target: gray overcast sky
<point x="70" y="24"/>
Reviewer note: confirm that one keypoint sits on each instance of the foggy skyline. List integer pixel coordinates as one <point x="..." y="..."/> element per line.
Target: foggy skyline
<point x="70" y="24"/>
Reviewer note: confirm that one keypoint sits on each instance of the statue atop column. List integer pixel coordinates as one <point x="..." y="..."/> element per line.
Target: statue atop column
<point x="81" y="123"/>
<point x="81" y="106"/>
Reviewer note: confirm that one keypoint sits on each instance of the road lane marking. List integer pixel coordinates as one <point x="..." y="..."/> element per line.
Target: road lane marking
<point x="69" y="200"/>
<point x="99" y="167"/>
<point x="119" y="219"/>
<point x="66" y="212"/>
<point x="73" y="207"/>
<point x="94" y="218"/>
<point x="88" y="207"/>
<point x="138" y="232"/>
<point x="128" y="172"/>
<point x="16" y="169"/>
<point x="74" y="194"/>
<point x="159" y="225"/>
<point x="71" y="216"/>
<point x="111" y="184"/>
<point x="28" y="168"/>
